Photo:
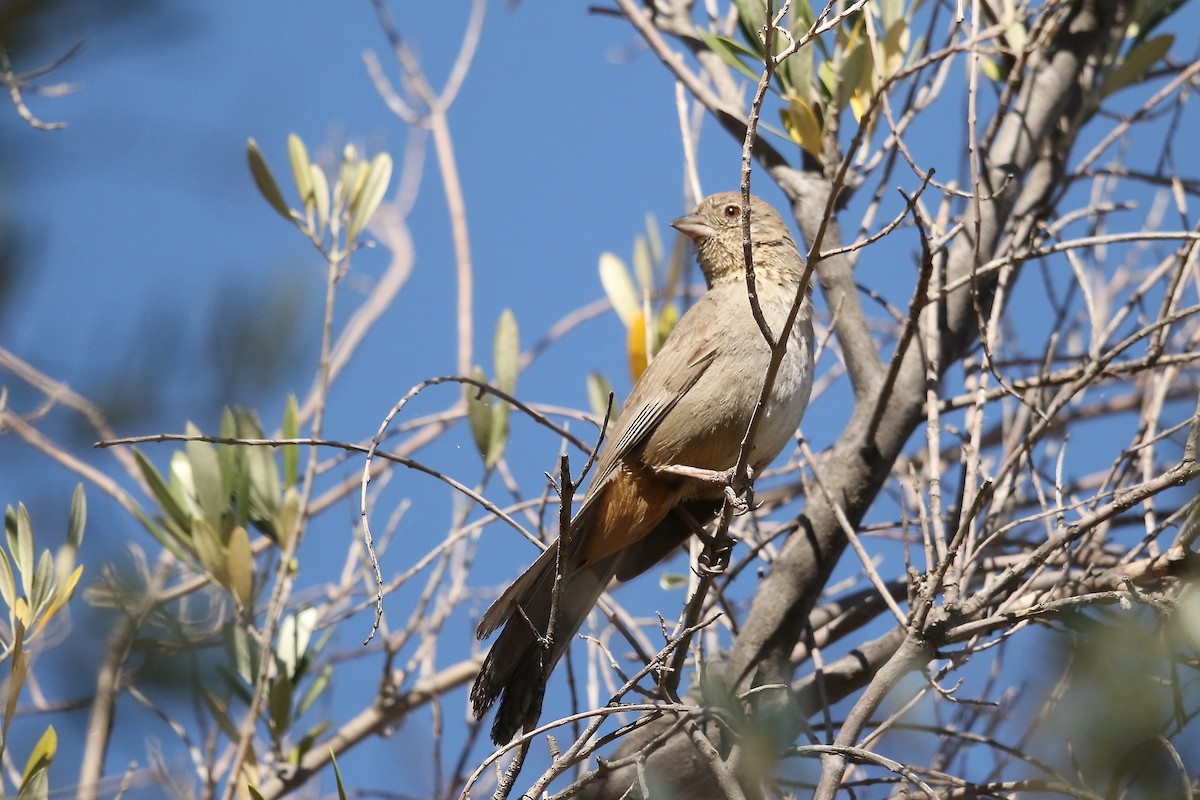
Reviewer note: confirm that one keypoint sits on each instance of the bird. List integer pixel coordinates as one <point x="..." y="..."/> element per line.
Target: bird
<point x="690" y="408"/>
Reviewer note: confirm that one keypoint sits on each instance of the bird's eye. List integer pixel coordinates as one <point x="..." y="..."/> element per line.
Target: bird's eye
<point x="732" y="211"/>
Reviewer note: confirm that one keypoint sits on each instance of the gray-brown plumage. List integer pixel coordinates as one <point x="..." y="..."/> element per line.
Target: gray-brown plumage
<point x="691" y="407"/>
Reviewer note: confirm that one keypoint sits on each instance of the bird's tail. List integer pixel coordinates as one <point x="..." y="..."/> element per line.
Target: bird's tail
<point x="516" y="668"/>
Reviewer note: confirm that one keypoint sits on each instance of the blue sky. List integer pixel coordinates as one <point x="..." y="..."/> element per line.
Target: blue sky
<point x="140" y="229"/>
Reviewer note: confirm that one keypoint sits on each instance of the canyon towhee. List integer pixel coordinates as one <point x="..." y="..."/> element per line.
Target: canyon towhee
<point x="691" y="408"/>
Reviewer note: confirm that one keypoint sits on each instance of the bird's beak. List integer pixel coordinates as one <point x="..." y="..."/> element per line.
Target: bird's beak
<point x="694" y="226"/>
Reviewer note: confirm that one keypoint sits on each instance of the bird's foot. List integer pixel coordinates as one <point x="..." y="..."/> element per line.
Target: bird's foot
<point x="715" y="558"/>
<point x="736" y="486"/>
<point x="741" y="503"/>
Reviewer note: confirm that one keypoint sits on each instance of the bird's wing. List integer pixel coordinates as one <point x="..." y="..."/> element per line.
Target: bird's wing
<point x="670" y="375"/>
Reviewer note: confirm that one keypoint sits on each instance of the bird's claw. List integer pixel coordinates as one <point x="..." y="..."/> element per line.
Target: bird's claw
<point x="740" y="503"/>
<point x="715" y="558"/>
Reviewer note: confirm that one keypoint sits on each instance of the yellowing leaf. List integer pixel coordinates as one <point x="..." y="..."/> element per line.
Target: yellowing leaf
<point x="856" y="64"/>
<point x="636" y="345"/>
<point x="802" y="125"/>
<point x="43" y="753"/>
<point x="61" y="595"/>
<point x="859" y="103"/>
<point x="991" y="70"/>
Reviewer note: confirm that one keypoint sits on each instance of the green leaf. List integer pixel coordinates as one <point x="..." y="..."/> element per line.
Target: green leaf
<point x="287" y="518"/>
<point x="20" y="544"/>
<point x="896" y="41"/>
<point x="209" y="550"/>
<point x="320" y="188"/>
<point x="891" y="12"/>
<point x="295" y="632"/>
<point x="506" y="356"/>
<point x="506" y="352"/>
<point x="20" y="670"/>
<point x="654" y="238"/>
<point x="599" y="392"/>
<point x="77" y="520"/>
<point x="643" y="263"/>
<point x="614" y="277"/>
<point x="802" y="20"/>
<point x="752" y="16"/>
<point x="316" y="688"/>
<point x="265" y="181"/>
<point x="264" y="472"/>
<point x="43" y="583"/>
<point x="8" y="586"/>
<point x="291" y="452"/>
<point x="497" y="433"/>
<point x="479" y="413"/>
<point x="1137" y="63"/>
<point x="227" y="455"/>
<point x="219" y="711"/>
<point x="168" y="501"/>
<point x="298" y="155"/>
<point x="1016" y="37"/>
<point x="827" y="78"/>
<point x="206" y="477"/>
<point x="796" y="73"/>
<point x="731" y="53"/>
<point x="239" y="566"/>
<point x="1147" y="15"/>
<point x="183" y="485"/>
<point x="337" y="775"/>
<point x="347" y="173"/>
<point x="279" y="704"/>
<point x="307" y="741"/>
<point x="672" y="580"/>
<point x="242" y="654"/>
<point x="367" y="201"/>
<point x="36" y="786"/>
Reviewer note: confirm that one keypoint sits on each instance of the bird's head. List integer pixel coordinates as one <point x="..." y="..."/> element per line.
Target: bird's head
<point x="715" y="226"/>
